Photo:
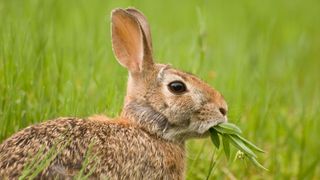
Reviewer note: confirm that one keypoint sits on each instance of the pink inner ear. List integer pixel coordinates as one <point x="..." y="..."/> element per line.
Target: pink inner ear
<point x="127" y="40"/>
<point x="143" y="23"/>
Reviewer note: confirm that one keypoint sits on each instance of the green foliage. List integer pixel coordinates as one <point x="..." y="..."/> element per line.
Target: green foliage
<point x="263" y="56"/>
<point x="214" y="137"/>
<point x="231" y="133"/>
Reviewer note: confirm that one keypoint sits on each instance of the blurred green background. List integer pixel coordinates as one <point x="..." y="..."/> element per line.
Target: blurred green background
<point x="263" y="56"/>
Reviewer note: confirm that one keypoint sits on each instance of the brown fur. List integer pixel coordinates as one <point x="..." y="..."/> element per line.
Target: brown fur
<point x="122" y="141"/>
<point x="145" y="142"/>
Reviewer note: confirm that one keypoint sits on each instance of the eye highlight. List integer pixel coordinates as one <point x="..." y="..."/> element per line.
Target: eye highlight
<point x="177" y="87"/>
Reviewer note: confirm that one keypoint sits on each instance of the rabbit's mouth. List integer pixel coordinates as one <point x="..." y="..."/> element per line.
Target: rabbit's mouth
<point x="205" y="126"/>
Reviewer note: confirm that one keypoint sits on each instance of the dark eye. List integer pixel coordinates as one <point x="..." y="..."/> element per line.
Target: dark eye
<point x="177" y="87"/>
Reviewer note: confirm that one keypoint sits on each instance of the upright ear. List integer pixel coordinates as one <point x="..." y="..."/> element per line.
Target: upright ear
<point x="130" y="43"/>
<point x="143" y="23"/>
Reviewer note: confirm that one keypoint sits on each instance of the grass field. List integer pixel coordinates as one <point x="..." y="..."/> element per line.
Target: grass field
<point x="56" y="60"/>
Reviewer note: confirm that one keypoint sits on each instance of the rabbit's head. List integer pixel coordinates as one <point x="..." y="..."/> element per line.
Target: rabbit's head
<point x="164" y="100"/>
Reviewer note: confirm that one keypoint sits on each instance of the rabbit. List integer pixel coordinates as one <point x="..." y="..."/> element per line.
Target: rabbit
<point x="162" y="109"/>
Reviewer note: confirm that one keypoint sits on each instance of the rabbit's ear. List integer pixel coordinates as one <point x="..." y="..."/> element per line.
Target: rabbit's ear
<point x="129" y="42"/>
<point x="143" y="23"/>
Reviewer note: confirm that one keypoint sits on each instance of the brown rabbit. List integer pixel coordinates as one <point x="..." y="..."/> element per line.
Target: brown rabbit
<point x="163" y="108"/>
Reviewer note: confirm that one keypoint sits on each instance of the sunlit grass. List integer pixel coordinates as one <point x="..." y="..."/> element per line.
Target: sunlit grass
<point x="56" y="60"/>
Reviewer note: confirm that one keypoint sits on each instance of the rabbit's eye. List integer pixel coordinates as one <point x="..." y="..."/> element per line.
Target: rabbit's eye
<point x="177" y="87"/>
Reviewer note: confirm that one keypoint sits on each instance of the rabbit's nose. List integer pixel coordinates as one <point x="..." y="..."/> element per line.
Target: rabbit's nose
<point x="223" y="111"/>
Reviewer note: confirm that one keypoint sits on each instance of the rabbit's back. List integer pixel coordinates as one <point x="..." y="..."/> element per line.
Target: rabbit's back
<point x="102" y="148"/>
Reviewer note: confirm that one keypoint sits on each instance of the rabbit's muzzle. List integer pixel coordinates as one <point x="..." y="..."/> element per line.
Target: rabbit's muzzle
<point x="208" y="116"/>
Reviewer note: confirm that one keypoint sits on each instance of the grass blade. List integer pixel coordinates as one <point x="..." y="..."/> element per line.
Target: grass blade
<point x="223" y="130"/>
<point x="255" y="162"/>
<point x="240" y="145"/>
<point x="214" y="137"/>
<point x="230" y="127"/>
<point x="232" y="134"/>
<point x="226" y="146"/>
<point x="250" y="144"/>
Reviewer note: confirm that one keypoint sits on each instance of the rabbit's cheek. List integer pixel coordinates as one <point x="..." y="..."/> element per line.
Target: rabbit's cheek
<point x="180" y="111"/>
<point x="179" y="118"/>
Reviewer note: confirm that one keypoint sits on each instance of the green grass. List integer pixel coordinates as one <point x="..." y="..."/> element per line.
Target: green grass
<point x="56" y="60"/>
